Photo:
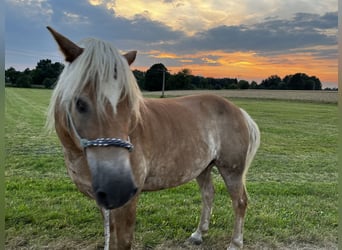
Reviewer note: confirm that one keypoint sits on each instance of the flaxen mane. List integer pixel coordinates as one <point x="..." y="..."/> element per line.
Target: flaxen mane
<point x="109" y="74"/>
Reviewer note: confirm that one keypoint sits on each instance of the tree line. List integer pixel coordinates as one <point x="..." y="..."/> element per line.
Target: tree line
<point x="46" y="73"/>
<point x="153" y="78"/>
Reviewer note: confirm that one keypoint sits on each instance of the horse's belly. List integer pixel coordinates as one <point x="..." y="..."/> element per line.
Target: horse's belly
<point x="172" y="175"/>
<point x="180" y="163"/>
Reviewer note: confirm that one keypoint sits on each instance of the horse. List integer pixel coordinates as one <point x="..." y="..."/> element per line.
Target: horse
<point x="117" y="144"/>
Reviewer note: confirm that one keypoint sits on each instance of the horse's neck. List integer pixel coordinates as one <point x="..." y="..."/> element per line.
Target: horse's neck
<point x="156" y="117"/>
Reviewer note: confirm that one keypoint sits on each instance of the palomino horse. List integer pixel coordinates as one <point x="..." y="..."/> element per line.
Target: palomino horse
<point x="99" y="114"/>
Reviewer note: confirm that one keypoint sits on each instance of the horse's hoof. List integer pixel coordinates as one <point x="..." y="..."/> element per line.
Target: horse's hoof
<point x="195" y="239"/>
<point x="233" y="246"/>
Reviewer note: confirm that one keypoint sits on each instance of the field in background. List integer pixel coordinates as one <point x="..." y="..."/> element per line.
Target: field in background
<point x="292" y="185"/>
<point x="303" y="95"/>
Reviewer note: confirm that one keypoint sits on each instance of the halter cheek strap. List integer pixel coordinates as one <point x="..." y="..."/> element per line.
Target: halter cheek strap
<point x="100" y="142"/>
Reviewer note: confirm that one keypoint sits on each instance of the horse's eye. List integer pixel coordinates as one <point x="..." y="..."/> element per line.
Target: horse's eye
<point x="81" y="106"/>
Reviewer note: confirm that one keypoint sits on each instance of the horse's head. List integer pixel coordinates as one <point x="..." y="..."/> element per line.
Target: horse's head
<point x="97" y="96"/>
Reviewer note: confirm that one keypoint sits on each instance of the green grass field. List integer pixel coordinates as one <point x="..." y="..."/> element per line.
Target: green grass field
<point x="292" y="186"/>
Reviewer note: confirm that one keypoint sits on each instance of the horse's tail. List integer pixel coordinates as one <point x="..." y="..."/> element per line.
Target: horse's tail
<point x="254" y="141"/>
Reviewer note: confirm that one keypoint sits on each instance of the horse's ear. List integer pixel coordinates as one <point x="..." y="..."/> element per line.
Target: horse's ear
<point x="130" y="56"/>
<point x="69" y="49"/>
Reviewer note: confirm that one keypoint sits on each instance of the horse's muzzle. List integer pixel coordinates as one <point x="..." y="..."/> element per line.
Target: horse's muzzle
<point x="115" y="194"/>
<point x="112" y="180"/>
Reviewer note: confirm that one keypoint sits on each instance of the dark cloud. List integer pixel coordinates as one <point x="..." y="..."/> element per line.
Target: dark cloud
<point x="77" y="20"/>
<point x="303" y="30"/>
<point x="312" y="21"/>
<point x="103" y="23"/>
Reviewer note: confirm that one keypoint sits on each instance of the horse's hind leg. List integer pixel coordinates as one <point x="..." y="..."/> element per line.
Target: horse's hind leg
<point x="237" y="190"/>
<point x="207" y="191"/>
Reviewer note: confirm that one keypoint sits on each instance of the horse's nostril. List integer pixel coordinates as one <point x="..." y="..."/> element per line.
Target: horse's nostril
<point x="101" y="196"/>
<point x="134" y="191"/>
<point x="118" y="198"/>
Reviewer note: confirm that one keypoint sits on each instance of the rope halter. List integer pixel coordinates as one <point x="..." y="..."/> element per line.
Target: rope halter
<point x="101" y="142"/>
<point x="107" y="142"/>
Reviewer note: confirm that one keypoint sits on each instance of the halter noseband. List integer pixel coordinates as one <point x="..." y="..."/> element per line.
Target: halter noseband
<point x="106" y="142"/>
<point x="101" y="142"/>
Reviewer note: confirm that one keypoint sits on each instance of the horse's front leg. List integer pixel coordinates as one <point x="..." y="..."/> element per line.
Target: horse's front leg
<point x="122" y="224"/>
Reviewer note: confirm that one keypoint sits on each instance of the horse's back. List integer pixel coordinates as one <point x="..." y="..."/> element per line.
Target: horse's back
<point x="207" y="105"/>
<point x="216" y="111"/>
<point x="208" y="114"/>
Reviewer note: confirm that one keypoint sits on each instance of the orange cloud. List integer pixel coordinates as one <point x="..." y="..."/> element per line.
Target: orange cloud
<point x="208" y="60"/>
<point x="252" y="66"/>
<point x="179" y="15"/>
<point x="165" y="55"/>
<point x="95" y="2"/>
<point x="186" y="60"/>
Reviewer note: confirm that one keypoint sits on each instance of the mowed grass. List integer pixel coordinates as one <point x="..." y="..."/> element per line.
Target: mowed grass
<point x="292" y="186"/>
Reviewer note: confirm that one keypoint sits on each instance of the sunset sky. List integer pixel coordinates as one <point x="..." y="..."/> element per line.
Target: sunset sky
<point x="246" y="39"/>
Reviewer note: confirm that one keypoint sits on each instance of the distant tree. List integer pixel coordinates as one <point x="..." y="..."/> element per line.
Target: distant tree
<point x="46" y="74"/>
<point x="186" y="72"/>
<point x="271" y="82"/>
<point x="49" y="82"/>
<point x="154" y="77"/>
<point x="309" y="84"/>
<point x="46" y="69"/>
<point x="214" y="83"/>
<point x="181" y="80"/>
<point x="297" y="81"/>
<point x="301" y="81"/>
<point x="282" y="85"/>
<point x="253" y="85"/>
<point x="199" y="82"/>
<point x="42" y="71"/>
<point x="187" y="78"/>
<point x="317" y="83"/>
<point x="140" y="77"/>
<point x="11" y="75"/>
<point x="24" y="81"/>
<point x="57" y="68"/>
<point x="196" y="81"/>
<point x="233" y="86"/>
<point x="204" y="83"/>
<point x="243" y="84"/>
<point x="286" y="79"/>
<point x="230" y="83"/>
<point x="225" y="83"/>
<point x="27" y="71"/>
